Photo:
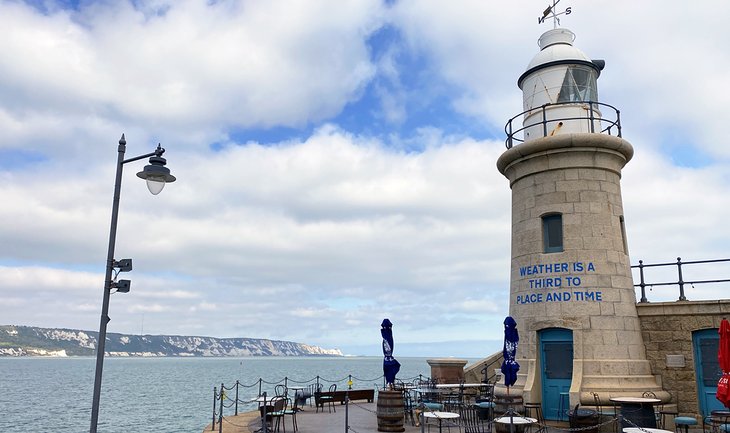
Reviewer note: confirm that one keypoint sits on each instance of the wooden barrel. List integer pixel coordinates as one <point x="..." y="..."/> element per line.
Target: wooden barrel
<point x="390" y="411"/>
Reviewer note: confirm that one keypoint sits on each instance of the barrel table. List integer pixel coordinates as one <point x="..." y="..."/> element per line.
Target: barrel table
<point x="390" y="411"/>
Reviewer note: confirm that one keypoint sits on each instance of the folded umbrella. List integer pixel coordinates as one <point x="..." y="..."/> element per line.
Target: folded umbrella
<point x="390" y="365"/>
<point x="510" y="367"/>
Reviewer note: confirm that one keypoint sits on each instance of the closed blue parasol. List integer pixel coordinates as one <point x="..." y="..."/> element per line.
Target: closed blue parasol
<point x="510" y="367"/>
<point x="390" y="365"/>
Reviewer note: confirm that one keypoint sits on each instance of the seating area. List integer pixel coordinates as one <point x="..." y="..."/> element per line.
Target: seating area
<point x="473" y="408"/>
<point x="465" y="407"/>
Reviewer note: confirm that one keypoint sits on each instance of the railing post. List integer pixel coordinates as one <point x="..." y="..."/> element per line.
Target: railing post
<point x="592" y="117"/>
<point x="347" y="406"/>
<point x="260" y="379"/>
<point x="509" y="136"/>
<point x="681" y="281"/>
<point x="544" y="121"/>
<point x="642" y="283"/>
<point x="618" y="122"/>
<point x="220" y="409"/>
<point x="215" y="400"/>
<point x="264" y="426"/>
<point x="236" y="398"/>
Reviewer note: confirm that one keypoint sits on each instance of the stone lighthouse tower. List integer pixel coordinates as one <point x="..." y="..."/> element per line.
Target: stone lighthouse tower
<point x="571" y="290"/>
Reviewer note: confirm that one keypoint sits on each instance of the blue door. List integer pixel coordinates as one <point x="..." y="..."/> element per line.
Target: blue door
<point x="705" y="344"/>
<point x="556" y="358"/>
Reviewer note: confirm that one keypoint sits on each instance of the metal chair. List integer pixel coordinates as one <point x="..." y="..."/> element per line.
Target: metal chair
<point x="327" y="399"/>
<point x="408" y="406"/>
<point x="718" y="420"/>
<point x="280" y="391"/>
<point x="273" y="411"/>
<point x="292" y="411"/>
<point x="611" y="412"/>
<point x="534" y="410"/>
<point x="470" y="421"/>
<point x="657" y="407"/>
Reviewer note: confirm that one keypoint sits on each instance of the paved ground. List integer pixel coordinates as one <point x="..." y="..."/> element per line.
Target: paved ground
<point x="362" y="418"/>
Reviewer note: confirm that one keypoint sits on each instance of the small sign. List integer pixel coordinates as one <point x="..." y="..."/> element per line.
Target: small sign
<point x="675" y="361"/>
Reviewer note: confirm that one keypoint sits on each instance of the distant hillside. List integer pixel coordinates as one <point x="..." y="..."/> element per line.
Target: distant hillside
<point x="32" y="341"/>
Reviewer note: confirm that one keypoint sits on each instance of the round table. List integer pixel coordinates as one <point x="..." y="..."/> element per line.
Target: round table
<point x="516" y="423"/>
<point x="517" y="419"/>
<point x="637" y="411"/>
<point x="644" y="430"/>
<point x="440" y="416"/>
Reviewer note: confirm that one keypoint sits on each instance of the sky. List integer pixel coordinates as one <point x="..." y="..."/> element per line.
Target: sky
<point x="335" y="160"/>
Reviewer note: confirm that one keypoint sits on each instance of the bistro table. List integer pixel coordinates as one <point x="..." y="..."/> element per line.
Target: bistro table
<point x="440" y="416"/>
<point x="459" y="385"/>
<point x="645" y="430"/>
<point x="515" y="423"/>
<point x="637" y="411"/>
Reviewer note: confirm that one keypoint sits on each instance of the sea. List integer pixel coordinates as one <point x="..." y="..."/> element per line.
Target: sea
<point x="54" y="395"/>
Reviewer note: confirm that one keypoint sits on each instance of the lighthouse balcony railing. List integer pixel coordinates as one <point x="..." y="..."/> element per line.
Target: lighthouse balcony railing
<point x="595" y="114"/>
<point x="682" y="279"/>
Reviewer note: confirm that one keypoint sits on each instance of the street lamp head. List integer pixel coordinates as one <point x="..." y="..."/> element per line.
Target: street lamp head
<point x="156" y="174"/>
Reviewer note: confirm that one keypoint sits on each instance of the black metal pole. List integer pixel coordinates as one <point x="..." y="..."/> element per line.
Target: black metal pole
<point x="681" y="281"/>
<point x="215" y="397"/>
<point x="642" y="284"/>
<point x="101" y="340"/>
<point x="236" y="398"/>
<point x="220" y="409"/>
<point x="347" y="410"/>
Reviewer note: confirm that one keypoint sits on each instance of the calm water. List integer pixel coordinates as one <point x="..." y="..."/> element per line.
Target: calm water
<point x="156" y="394"/>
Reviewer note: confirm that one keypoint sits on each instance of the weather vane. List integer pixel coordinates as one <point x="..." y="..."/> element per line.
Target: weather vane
<point x="550" y="12"/>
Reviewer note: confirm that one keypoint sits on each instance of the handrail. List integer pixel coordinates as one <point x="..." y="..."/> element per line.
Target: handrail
<point x="488" y="367"/>
<point x="680" y="280"/>
<point x="591" y="117"/>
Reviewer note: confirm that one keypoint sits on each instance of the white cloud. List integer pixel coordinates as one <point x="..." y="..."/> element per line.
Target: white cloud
<point x="336" y="227"/>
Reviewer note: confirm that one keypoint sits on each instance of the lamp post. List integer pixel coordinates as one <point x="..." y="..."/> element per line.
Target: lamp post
<point x="156" y="175"/>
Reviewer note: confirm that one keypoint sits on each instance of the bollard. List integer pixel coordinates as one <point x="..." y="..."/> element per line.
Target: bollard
<point x="236" y="398"/>
<point x="215" y="397"/>
<point x="220" y="414"/>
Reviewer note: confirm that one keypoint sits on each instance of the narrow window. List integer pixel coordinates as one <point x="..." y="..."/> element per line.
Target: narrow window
<point x="552" y="233"/>
<point x="623" y="234"/>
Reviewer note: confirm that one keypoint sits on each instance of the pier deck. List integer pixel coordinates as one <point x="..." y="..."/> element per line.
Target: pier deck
<point x="362" y="418"/>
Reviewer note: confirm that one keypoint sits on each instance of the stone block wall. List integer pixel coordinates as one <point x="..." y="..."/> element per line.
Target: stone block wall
<point x="667" y="329"/>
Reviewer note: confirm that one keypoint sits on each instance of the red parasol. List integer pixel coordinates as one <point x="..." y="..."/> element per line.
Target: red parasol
<point x="723" y="357"/>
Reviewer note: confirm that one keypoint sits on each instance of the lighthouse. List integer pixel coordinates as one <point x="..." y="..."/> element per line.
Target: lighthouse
<point x="571" y="289"/>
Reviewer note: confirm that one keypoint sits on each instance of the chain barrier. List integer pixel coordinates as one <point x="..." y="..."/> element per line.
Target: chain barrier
<point x="222" y="400"/>
<point x="238" y="425"/>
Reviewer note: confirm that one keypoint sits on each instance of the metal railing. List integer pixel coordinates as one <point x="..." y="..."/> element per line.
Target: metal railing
<point x="228" y="397"/>
<point x="590" y="117"/>
<point x="488" y="375"/>
<point x="680" y="282"/>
